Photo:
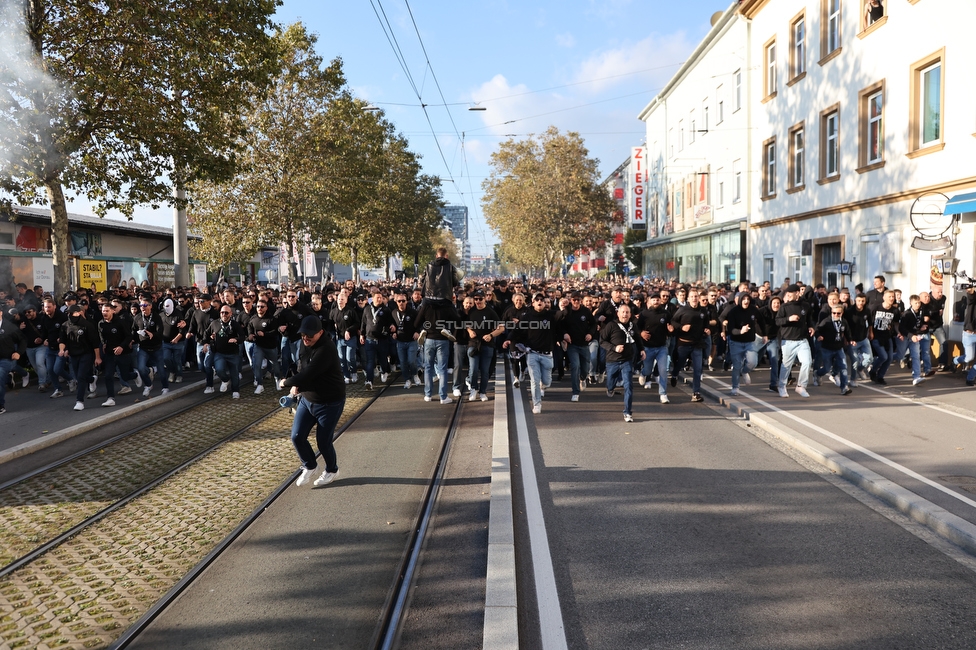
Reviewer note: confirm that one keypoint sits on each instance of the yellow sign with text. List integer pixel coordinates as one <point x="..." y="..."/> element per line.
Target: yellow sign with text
<point x="92" y="274"/>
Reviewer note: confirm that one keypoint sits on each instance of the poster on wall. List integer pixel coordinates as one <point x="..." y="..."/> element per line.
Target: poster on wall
<point x="43" y="271"/>
<point x="200" y="275"/>
<point x="163" y="275"/>
<point x="130" y="274"/>
<point x="92" y="274"/>
<point x="86" y="244"/>
<point x="33" y="239"/>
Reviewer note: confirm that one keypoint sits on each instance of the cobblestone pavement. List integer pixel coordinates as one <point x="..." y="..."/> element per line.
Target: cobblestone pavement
<point x="85" y="592"/>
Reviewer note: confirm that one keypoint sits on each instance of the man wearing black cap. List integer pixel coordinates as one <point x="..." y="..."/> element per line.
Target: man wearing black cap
<point x="321" y="394"/>
<point x="79" y="343"/>
<point x="577" y="326"/>
<point x="199" y="325"/>
<point x="795" y="321"/>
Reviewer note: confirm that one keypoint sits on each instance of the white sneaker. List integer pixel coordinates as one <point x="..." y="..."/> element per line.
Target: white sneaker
<point x="427" y="398"/>
<point x="457" y="392"/>
<point x="368" y="385"/>
<point x="235" y="395"/>
<point x="259" y="389"/>
<point x="473" y="396"/>
<point x="416" y="380"/>
<point x="25" y="381"/>
<point x="783" y="392"/>
<point x="384" y="376"/>
<point x="171" y="377"/>
<point x="325" y="478"/>
<point x="138" y="380"/>
<point x="224" y="385"/>
<point x="447" y="400"/>
<point x="178" y="380"/>
<point x="537" y="409"/>
<point x="92" y="387"/>
<point x="146" y="392"/>
<point x="165" y="391"/>
<point x="208" y="390"/>
<point x="665" y="400"/>
<point x="734" y="392"/>
<point x="746" y="379"/>
<point x="304" y="477"/>
<point x="109" y="402"/>
<point x="917" y="381"/>
<point x="836" y="380"/>
<point x="515" y="382"/>
<point x="583" y="384"/>
<point x="79" y="406"/>
<point x="347" y="380"/>
<point x="483" y="397"/>
<point x="649" y="385"/>
<point x="642" y="380"/>
<point x="407" y="385"/>
<point x="125" y="390"/>
<point x="802" y="392"/>
<point x="628" y="417"/>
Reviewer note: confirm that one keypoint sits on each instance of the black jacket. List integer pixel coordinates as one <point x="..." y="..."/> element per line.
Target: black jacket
<point x="319" y="376"/>
<point x="220" y="334"/>
<point x="577" y="323"/>
<point x="655" y="322"/>
<point x="11" y="340"/>
<point x="617" y="333"/>
<point x="688" y="315"/>
<point x="439" y="279"/>
<point x="152" y="324"/>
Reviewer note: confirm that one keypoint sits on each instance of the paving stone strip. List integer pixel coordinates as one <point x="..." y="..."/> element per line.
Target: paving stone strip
<point x="85" y="592"/>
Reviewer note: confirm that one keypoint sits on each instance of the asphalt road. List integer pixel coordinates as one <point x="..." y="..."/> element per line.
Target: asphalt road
<point x="685" y="530"/>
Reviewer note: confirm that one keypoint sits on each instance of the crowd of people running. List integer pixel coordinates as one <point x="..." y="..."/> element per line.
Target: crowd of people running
<point x="444" y="335"/>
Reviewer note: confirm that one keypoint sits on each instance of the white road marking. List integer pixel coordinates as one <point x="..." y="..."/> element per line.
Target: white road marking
<point x="550" y="615"/>
<point x="890" y="463"/>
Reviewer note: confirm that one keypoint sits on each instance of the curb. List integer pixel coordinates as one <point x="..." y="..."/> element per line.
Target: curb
<point x="950" y="527"/>
<point x="51" y="439"/>
<point x="501" y="600"/>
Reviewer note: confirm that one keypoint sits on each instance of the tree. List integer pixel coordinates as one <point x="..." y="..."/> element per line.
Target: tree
<point x="280" y="191"/>
<point x="544" y="200"/>
<point x="634" y="253"/>
<point x="114" y="101"/>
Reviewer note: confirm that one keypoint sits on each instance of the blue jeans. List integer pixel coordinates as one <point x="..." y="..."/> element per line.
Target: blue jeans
<point x="883" y="354"/>
<point x="7" y="366"/>
<point x="325" y="417"/>
<point x="914" y="350"/>
<point x="205" y="362"/>
<point x="597" y="357"/>
<point x="83" y="369"/>
<point x="435" y="362"/>
<point x="744" y="359"/>
<point x="57" y="369"/>
<point x="173" y="354"/>
<point x="377" y="348"/>
<point x="682" y="353"/>
<point x="925" y="353"/>
<point x="347" y="356"/>
<point x="540" y="374"/>
<point x="659" y="356"/>
<point x="860" y="353"/>
<point x="479" y="366"/>
<point x="622" y="372"/>
<point x="407" y="353"/>
<point x="796" y="351"/>
<point x="836" y="360"/>
<point x="258" y="355"/>
<point x="289" y="354"/>
<point x="249" y="352"/>
<point x="153" y="359"/>
<point x="228" y="368"/>
<point x="773" y="353"/>
<point x="38" y="359"/>
<point x="969" y="354"/>
<point x="124" y="365"/>
<point x="579" y="365"/>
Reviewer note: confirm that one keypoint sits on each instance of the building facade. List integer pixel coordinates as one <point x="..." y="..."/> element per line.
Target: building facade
<point x="456" y="218"/>
<point x="860" y="121"/>
<point x="698" y="145"/>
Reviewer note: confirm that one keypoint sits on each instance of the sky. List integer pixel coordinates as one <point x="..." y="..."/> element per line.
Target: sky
<point x="580" y="65"/>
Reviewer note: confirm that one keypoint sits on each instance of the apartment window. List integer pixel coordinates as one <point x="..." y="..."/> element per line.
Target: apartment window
<point x="736" y="181"/>
<point x="927" y="96"/>
<point x="671" y="142"/>
<point x="693" y="130"/>
<point x="769" y="169"/>
<point x="719" y="106"/>
<point x="874" y="13"/>
<point x="681" y="135"/>
<point x="830" y="31"/>
<point x="720" y="186"/>
<point x="768" y="270"/>
<point x="704" y="117"/>
<point x="796" y="160"/>
<point x="738" y="91"/>
<point x="798" y="47"/>
<point x="769" y="78"/>
<point x="871" y="127"/>
<point x="830" y="144"/>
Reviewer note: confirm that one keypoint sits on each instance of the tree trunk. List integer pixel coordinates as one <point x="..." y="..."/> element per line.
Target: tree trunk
<point x="292" y="266"/>
<point x="59" y="237"/>
<point x="354" y="262"/>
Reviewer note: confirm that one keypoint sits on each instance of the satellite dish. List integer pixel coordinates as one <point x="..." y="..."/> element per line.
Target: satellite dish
<point x="716" y="16"/>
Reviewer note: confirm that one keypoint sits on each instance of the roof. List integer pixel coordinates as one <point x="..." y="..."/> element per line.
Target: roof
<point x="132" y="228"/>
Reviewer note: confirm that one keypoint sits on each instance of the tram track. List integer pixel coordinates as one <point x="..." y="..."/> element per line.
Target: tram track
<point x="115" y="549"/>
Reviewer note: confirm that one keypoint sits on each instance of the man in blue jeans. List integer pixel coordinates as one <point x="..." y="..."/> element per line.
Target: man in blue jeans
<point x="654" y="325"/>
<point x="436" y="348"/>
<point x="12" y="343"/>
<point x="622" y="342"/>
<point x="577" y="325"/>
<point x="225" y="337"/>
<point x="320" y="390"/>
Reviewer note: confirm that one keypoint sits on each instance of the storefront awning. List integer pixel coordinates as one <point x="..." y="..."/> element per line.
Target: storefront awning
<point x="961" y="203"/>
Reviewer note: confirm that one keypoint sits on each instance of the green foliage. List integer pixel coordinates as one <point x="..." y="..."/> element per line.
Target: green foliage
<point x="544" y="199"/>
<point x="634" y="254"/>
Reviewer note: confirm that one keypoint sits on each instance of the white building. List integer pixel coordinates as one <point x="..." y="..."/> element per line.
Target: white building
<point x="698" y="145"/>
<point x="853" y="123"/>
